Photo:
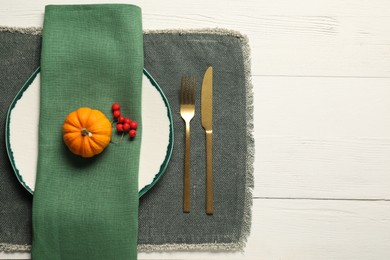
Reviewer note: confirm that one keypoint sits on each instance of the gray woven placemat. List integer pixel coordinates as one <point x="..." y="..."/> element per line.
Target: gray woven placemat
<point x="162" y="225"/>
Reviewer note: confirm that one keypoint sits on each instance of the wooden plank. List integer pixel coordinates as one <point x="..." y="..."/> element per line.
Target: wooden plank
<point x="315" y="107"/>
<point x="322" y="137"/>
<point x="207" y="9"/>
<point x="305" y="229"/>
<point x="323" y="168"/>
<point x="296" y="230"/>
<point x="16" y="255"/>
<point x="340" y="230"/>
<point x="339" y="38"/>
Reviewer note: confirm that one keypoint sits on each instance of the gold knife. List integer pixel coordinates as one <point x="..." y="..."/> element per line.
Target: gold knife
<point x="207" y="123"/>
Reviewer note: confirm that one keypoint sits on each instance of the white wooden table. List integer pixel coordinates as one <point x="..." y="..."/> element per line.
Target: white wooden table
<point x="321" y="75"/>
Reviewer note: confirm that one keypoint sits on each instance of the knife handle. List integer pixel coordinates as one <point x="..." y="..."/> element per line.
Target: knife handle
<point x="209" y="173"/>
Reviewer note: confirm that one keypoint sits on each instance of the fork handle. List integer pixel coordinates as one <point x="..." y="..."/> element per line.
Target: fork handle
<point x="186" y="190"/>
<point x="209" y="173"/>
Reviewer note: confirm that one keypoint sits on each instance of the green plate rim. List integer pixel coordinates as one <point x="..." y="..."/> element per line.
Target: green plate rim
<point x="144" y="189"/>
<point x="168" y="155"/>
<point x="7" y="128"/>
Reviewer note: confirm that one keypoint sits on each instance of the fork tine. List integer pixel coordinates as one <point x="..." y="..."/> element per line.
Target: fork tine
<point x="190" y="96"/>
<point x="192" y="91"/>
<point x="187" y="90"/>
<point x="182" y="90"/>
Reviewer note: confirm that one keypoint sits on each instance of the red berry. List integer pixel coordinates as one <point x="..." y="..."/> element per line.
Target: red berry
<point x="132" y="133"/>
<point x="116" y="107"/>
<point x="121" y="119"/>
<point x="119" y="127"/>
<point x="133" y="125"/>
<point x="127" y="121"/>
<point x="117" y="113"/>
<point x="126" y="127"/>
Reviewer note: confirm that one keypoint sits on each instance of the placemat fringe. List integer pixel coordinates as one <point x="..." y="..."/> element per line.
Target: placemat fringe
<point x="24" y="30"/>
<point x="250" y="143"/>
<point x="217" y="31"/>
<point x="190" y="247"/>
<point x="5" y="247"/>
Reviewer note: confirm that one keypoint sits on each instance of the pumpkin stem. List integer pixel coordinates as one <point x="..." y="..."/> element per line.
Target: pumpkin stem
<point x="85" y="132"/>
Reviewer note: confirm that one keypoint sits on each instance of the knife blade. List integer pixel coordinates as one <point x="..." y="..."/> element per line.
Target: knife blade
<point x="207" y="123"/>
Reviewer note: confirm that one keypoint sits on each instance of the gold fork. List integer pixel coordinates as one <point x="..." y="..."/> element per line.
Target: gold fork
<point x="187" y="112"/>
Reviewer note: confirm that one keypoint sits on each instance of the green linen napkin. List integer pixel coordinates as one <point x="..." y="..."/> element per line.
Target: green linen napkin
<point x="92" y="56"/>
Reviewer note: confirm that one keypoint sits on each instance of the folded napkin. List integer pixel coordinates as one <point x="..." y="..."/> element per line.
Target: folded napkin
<point x="92" y="56"/>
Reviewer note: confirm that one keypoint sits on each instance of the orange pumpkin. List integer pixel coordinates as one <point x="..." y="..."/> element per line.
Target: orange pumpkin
<point x="86" y="132"/>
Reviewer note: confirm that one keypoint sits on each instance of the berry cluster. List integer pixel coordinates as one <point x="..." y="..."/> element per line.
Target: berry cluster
<point x="124" y="124"/>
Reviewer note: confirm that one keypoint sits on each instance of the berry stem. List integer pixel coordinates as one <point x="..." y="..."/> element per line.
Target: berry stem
<point x="118" y="140"/>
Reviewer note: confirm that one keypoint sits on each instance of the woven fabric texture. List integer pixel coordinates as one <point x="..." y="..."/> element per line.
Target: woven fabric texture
<point x="19" y="57"/>
<point x="87" y="208"/>
<point x="162" y="225"/>
<point x="167" y="58"/>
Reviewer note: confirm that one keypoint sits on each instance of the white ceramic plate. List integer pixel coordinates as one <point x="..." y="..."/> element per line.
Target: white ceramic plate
<point x="22" y="141"/>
